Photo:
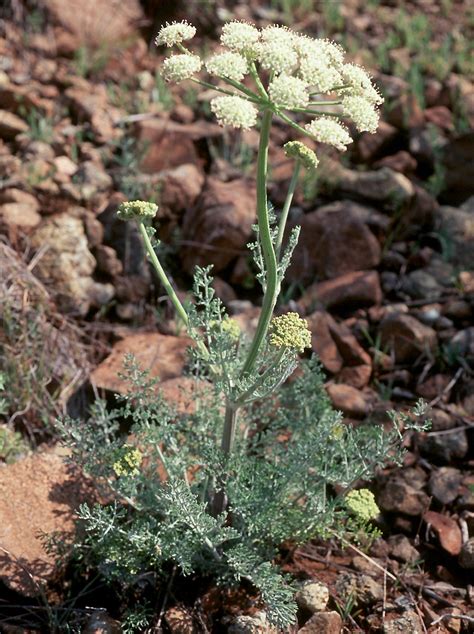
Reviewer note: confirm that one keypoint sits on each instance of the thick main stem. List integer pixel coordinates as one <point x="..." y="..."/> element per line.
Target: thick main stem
<point x="268" y="251"/>
<point x="219" y="502"/>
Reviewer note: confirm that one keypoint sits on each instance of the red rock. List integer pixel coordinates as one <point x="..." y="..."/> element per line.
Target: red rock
<point x="14" y="195"/>
<point x="322" y="342"/>
<point x="11" y="125"/>
<point x="181" y="186"/>
<point x="447" y="531"/>
<point x="406" y="336"/>
<point x="360" y="288"/>
<point x="89" y="102"/>
<point x="347" y="399"/>
<point x="181" y="392"/>
<point x="401" y="161"/>
<point x="323" y="623"/>
<point x="357" y="376"/>
<point x="219" y="226"/>
<point x="170" y="144"/>
<point x="29" y="509"/>
<point x="19" y="217"/>
<point x="163" y="355"/>
<point x="333" y="241"/>
<point x="405" y="112"/>
<point x="440" y="116"/>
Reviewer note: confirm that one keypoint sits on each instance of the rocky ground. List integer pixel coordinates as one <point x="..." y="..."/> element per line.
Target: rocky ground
<point x="384" y="273"/>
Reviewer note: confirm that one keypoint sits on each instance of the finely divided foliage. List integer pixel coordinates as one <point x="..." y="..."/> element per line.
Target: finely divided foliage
<point x="256" y="463"/>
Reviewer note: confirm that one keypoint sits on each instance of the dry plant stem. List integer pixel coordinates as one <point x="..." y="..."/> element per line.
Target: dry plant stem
<point x="268" y="251"/>
<point x="286" y="207"/>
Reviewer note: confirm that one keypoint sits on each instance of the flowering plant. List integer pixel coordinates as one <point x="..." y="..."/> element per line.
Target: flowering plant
<point x="218" y="489"/>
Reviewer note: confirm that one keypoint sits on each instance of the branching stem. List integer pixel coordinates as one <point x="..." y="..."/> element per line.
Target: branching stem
<point x="286" y="207"/>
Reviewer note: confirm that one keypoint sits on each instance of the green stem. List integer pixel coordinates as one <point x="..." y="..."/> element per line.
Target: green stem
<point x="162" y="275"/>
<point x="241" y="401"/>
<point x="268" y="251"/>
<point x="286" y="207"/>
<point x="249" y="93"/>
<point x="219" y="502"/>
<point x="291" y="123"/>
<point x="258" y="81"/>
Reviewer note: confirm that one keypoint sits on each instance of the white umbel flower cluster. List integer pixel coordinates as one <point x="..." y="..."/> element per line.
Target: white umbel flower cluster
<point x="234" y="111"/>
<point x="326" y="130"/>
<point x="277" y="58"/>
<point x="179" y="67"/>
<point x="286" y="71"/>
<point x="288" y="92"/>
<point x="240" y="37"/>
<point x="229" y="64"/>
<point x="360" y="84"/>
<point x="175" y="33"/>
<point x="362" y="113"/>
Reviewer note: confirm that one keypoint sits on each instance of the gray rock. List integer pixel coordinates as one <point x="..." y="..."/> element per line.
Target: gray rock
<point x="397" y="496"/>
<point x="444" y="484"/>
<point x="313" y="596"/>
<point x="257" y="624"/>
<point x="466" y="556"/>
<point x="446" y="446"/>
<point x="67" y="265"/>
<point x="421" y="285"/>
<point x="409" y="623"/>
<point x="402" y="549"/>
<point x="455" y="225"/>
<point x="363" y="588"/>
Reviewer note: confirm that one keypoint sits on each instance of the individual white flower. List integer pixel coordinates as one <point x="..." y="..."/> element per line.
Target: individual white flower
<point x="228" y="64"/>
<point x="240" y="37"/>
<point x="360" y="83"/>
<point x="362" y="112"/>
<point x="316" y="72"/>
<point x="288" y="92"/>
<point x="175" y="33"/>
<point x="326" y="130"/>
<point x="277" y="57"/>
<point x="234" y="111"/>
<point x="179" y="67"/>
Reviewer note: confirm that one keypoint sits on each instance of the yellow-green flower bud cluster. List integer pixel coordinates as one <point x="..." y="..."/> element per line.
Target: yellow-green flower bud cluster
<point x="128" y="461"/>
<point x="290" y="331"/>
<point x="362" y="503"/>
<point x="300" y="151"/>
<point x="137" y="210"/>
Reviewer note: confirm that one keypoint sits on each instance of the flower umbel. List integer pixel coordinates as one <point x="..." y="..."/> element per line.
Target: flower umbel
<point x="362" y="503"/>
<point x="288" y="92"/>
<point x="228" y="64"/>
<point x="137" y="210"/>
<point x="325" y="130"/>
<point x="240" y="37"/>
<point x="300" y="151"/>
<point x="362" y="113"/>
<point x="290" y="331"/>
<point x="175" y="33"/>
<point x="180" y="67"/>
<point x="128" y="462"/>
<point x="234" y="111"/>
